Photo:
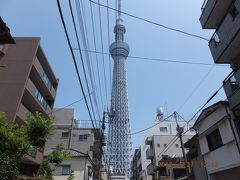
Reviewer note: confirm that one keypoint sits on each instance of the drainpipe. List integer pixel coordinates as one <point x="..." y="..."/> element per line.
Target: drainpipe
<point x="70" y="137"/>
<point x="234" y="134"/>
<point x="85" y="166"/>
<point x="205" y="167"/>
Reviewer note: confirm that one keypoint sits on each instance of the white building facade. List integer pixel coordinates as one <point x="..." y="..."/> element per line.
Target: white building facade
<point x="156" y="145"/>
<point x="219" y="142"/>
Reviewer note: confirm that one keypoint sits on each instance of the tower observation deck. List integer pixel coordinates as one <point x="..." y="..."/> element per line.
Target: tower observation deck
<point x="120" y="148"/>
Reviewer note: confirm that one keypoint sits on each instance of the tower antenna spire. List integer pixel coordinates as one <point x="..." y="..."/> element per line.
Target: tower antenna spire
<point x="119" y="8"/>
<point x="120" y="148"/>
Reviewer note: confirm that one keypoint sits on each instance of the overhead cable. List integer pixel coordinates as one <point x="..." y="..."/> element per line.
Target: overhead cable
<point x="74" y="60"/>
<point x="60" y="109"/>
<point x="103" y="59"/>
<point x="152" y="22"/>
<point x="84" y="32"/>
<point x="158" y="59"/>
<point x="96" y="56"/>
<point x="137" y="132"/>
<point x="84" y="71"/>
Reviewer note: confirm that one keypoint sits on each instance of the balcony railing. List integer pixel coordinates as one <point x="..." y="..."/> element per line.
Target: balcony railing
<point x="38" y="97"/>
<point x="149" y="153"/>
<point x="148" y="141"/>
<point x="41" y="99"/>
<point x="232" y="87"/>
<point x="41" y="72"/>
<point x="45" y="79"/>
<point x="204" y="4"/>
<point x="32" y="152"/>
<point x="23" y="112"/>
<point x="215" y="39"/>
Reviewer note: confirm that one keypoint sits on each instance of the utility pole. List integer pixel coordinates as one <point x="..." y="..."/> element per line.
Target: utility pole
<point x="102" y="143"/>
<point x="180" y="131"/>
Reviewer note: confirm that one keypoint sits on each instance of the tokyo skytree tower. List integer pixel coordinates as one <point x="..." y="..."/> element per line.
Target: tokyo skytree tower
<point x="120" y="148"/>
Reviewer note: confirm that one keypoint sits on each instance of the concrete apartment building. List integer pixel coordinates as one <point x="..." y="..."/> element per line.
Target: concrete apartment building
<point x="224" y="45"/>
<point x="82" y="142"/>
<point x="196" y="164"/>
<point x="159" y="148"/>
<point x="27" y="85"/>
<point x="219" y="142"/>
<point x="224" y="17"/>
<point x="155" y="147"/>
<point x="27" y="81"/>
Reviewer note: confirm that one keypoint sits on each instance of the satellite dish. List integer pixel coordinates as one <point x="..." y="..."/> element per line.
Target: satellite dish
<point x="159" y="111"/>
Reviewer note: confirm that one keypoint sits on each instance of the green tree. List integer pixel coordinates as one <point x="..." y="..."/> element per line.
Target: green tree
<point x="8" y="167"/>
<point x="54" y="159"/>
<point x="17" y="140"/>
<point x="14" y="145"/>
<point x="58" y="155"/>
<point x="39" y="129"/>
<point x="71" y="175"/>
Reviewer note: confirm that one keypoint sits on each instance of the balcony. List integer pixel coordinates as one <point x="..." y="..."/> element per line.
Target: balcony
<point x="226" y="40"/>
<point x="33" y="156"/>
<point x="149" y="153"/>
<point x="22" y="114"/>
<point x="151" y="169"/>
<point x="44" y="83"/>
<point x="213" y="11"/>
<point x="232" y="89"/>
<point x="35" y="101"/>
<point x="148" y="141"/>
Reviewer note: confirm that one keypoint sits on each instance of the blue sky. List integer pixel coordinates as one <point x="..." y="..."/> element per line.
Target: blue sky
<point x="150" y="83"/>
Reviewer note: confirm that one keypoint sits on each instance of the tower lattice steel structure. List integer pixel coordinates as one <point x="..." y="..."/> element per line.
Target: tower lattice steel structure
<point x="120" y="148"/>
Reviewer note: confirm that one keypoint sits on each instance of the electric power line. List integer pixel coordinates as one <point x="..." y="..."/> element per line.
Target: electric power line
<point x="214" y="94"/>
<point x="174" y="139"/>
<point x="83" y="26"/>
<point x="74" y="60"/>
<point x="96" y="56"/>
<point x="137" y="132"/>
<point x="84" y="71"/>
<point x="74" y="102"/>
<point x="196" y="88"/>
<point x="103" y="59"/>
<point x="152" y="22"/>
<point x="109" y="59"/>
<point x="159" y="59"/>
<point x="211" y="97"/>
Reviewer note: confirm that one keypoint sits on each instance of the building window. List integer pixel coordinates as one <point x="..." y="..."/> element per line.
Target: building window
<point x="45" y="78"/>
<point x="158" y="145"/>
<point x="233" y="12"/>
<point x="214" y="140"/>
<point x="83" y="137"/>
<point x="165" y="145"/>
<point x="163" y="129"/>
<point x="176" y="145"/>
<point x="65" y="134"/>
<point x="66" y="169"/>
<point x="40" y="98"/>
